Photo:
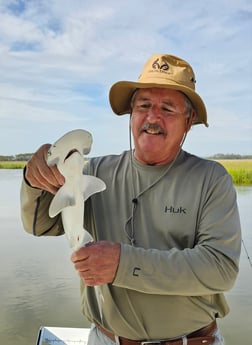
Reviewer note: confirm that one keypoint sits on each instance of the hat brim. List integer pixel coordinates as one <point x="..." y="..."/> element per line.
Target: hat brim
<point x="121" y="92"/>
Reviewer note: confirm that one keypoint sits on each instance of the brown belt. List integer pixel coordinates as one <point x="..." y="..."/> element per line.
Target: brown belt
<point x="203" y="336"/>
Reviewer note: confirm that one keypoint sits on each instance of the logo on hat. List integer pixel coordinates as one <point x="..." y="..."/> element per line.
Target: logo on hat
<point x="156" y="65"/>
<point x="160" y="71"/>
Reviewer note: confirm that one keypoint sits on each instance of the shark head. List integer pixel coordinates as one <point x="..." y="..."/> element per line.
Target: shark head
<point x="77" y="140"/>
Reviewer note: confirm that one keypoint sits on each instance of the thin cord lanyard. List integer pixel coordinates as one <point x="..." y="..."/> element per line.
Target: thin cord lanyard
<point x="135" y="198"/>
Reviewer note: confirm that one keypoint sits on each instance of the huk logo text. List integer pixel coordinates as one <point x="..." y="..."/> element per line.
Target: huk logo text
<point x="171" y="209"/>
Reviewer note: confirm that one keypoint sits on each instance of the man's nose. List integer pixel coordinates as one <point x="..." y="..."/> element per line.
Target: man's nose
<point x="154" y="113"/>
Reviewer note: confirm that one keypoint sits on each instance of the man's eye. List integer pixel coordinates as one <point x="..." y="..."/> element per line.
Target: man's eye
<point x="143" y="106"/>
<point x="168" y="110"/>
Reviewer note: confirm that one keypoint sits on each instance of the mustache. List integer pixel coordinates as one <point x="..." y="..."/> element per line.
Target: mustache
<point x="152" y="126"/>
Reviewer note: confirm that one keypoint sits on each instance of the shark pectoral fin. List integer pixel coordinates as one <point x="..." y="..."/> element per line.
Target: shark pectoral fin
<point x="61" y="200"/>
<point x="92" y="185"/>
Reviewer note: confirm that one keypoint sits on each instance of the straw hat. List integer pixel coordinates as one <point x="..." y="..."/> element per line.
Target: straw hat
<point x="161" y="71"/>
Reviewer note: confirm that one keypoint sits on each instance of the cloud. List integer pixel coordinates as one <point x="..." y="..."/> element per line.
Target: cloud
<point x="59" y="59"/>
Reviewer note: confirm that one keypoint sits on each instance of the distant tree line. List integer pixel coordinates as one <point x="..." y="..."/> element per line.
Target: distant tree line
<point x="23" y="157"/>
<point x="230" y="156"/>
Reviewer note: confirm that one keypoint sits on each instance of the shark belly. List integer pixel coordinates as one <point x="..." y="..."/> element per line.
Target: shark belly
<point x="72" y="218"/>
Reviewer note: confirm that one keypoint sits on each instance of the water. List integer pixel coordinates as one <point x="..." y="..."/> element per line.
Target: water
<point x="39" y="287"/>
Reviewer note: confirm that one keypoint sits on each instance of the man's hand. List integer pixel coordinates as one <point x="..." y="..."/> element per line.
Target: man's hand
<point x="97" y="262"/>
<point x="40" y="175"/>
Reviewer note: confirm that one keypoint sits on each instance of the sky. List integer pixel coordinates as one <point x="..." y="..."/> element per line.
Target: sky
<point x="59" y="58"/>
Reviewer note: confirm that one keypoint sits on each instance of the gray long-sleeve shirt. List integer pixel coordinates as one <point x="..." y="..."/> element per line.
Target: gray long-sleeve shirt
<point x="186" y="231"/>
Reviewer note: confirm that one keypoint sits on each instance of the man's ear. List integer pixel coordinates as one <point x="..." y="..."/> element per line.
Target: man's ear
<point x="189" y="120"/>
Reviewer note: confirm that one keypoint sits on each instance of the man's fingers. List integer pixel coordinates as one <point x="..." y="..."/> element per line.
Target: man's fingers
<point x="40" y="175"/>
<point x="60" y="180"/>
<point x="98" y="261"/>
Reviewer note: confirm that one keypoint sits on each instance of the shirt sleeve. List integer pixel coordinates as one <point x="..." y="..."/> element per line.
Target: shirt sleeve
<point x="211" y="266"/>
<point x="34" y="212"/>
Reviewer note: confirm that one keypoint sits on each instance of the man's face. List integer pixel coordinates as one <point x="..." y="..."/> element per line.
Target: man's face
<point x="158" y="124"/>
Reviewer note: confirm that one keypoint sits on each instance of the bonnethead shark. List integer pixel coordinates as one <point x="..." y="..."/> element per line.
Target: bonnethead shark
<point x="67" y="153"/>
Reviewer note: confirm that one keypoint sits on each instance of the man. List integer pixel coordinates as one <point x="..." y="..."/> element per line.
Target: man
<point x="167" y="228"/>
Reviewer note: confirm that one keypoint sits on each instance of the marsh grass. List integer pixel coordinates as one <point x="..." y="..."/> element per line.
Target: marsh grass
<point x="239" y="169"/>
<point x="12" y="164"/>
